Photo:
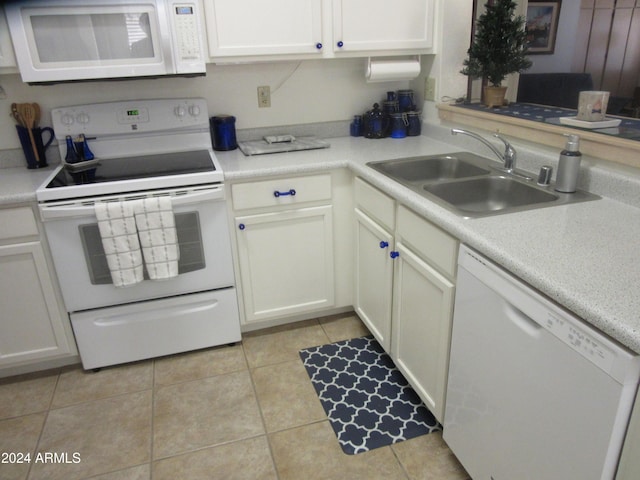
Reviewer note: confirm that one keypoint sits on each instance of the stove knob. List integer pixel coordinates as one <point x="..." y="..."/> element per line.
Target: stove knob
<point x="194" y="110"/>
<point x="67" y="119"/>
<point x="82" y="118"/>
<point x="179" y="111"/>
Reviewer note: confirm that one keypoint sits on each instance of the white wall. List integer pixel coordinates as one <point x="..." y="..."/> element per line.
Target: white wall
<point x="317" y="91"/>
<point x="453" y="35"/>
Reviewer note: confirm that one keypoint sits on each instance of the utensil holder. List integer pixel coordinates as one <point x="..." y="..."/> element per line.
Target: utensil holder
<point x="33" y="160"/>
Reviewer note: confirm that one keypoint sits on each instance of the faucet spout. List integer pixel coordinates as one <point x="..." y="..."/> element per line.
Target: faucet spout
<point x="508" y="157"/>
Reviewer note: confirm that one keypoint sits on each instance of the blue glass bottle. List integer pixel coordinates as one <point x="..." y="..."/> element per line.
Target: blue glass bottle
<point x="72" y="155"/>
<point x="87" y="154"/>
<point x="355" y="129"/>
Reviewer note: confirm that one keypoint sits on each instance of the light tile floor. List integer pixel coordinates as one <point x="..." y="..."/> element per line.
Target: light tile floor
<point x="236" y="412"/>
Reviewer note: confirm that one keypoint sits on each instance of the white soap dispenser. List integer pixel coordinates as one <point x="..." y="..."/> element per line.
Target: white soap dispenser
<point x="569" y="165"/>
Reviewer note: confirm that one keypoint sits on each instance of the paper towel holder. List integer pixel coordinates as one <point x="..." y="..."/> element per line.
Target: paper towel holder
<point x="389" y="69"/>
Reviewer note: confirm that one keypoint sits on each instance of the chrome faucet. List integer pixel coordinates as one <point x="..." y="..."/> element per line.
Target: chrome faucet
<point x="509" y="155"/>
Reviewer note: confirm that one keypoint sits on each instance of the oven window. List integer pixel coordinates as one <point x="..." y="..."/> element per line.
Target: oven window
<point x="189" y="241"/>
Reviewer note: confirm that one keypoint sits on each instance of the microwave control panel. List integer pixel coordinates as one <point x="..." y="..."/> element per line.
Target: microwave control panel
<point x="187" y="31"/>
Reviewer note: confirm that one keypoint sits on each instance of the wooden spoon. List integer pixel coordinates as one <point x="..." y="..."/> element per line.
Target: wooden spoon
<point x="36" y="108"/>
<point x="16" y="115"/>
<point x="28" y="114"/>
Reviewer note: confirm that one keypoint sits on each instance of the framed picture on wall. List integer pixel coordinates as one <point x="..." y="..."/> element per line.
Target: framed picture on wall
<point x="542" y="25"/>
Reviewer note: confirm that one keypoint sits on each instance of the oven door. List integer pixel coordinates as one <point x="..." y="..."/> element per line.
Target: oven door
<point x="203" y="237"/>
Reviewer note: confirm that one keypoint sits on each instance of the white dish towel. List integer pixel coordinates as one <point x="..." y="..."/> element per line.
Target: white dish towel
<point x="157" y="232"/>
<point x="119" y="234"/>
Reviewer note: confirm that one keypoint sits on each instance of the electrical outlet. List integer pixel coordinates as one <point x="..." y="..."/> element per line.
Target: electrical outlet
<point x="430" y="89"/>
<point x="264" y="96"/>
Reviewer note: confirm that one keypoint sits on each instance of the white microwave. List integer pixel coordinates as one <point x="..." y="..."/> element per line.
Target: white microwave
<point x="66" y="40"/>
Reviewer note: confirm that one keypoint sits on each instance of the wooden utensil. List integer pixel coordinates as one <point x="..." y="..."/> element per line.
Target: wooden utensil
<point x="28" y="114"/>
<point x="36" y="108"/>
<point x="16" y="115"/>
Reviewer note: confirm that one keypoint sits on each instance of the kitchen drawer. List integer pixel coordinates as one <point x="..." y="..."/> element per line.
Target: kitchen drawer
<point x="17" y="222"/>
<point x="281" y="191"/>
<point x="374" y="203"/>
<point x="434" y="245"/>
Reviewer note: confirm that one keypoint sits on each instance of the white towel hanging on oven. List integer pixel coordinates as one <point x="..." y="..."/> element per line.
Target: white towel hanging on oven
<point x="157" y="232"/>
<point x="117" y="227"/>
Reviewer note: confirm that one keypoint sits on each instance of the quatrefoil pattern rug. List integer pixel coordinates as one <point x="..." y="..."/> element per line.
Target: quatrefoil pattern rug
<point x="368" y="401"/>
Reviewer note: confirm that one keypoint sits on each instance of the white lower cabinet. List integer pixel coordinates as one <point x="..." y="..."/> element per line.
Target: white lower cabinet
<point x="285" y="246"/>
<point x="286" y="262"/>
<point x="404" y="291"/>
<point x="374" y="277"/>
<point x="423" y="295"/>
<point x="421" y="322"/>
<point x="34" y="326"/>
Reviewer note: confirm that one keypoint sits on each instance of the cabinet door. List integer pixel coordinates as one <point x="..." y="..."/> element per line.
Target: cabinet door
<point x="286" y="262"/>
<point x="374" y="278"/>
<point x="381" y="25"/>
<point x="7" y="58"/>
<point x="32" y="324"/>
<point x="255" y="27"/>
<point x="422" y="313"/>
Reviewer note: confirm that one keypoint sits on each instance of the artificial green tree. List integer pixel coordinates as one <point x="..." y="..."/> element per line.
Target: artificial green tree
<point x="499" y="44"/>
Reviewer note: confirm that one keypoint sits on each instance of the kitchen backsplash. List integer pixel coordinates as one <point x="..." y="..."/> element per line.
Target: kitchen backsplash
<point x="306" y="92"/>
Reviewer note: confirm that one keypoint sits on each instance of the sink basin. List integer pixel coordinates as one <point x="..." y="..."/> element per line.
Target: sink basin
<point x="430" y="169"/>
<point x="473" y="186"/>
<point x="489" y="194"/>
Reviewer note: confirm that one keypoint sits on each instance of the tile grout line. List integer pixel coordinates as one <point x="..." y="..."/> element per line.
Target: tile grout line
<point x="264" y="423"/>
<point x="153" y="415"/>
<point x="44" y="421"/>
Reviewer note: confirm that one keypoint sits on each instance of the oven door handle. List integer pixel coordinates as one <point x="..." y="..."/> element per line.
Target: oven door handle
<point x="84" y="208"/>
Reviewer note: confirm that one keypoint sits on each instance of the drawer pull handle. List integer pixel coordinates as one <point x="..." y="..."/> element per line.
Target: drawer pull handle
<point x="394" y="254"/>
<point x="384" y="244"/>
<point x="242" y="226"/>
<point x="277" y="194"/>
<point x="319" y="46"/>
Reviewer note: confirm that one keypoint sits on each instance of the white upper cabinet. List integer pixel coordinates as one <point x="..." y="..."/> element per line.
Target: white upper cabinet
<point x="7" y="58"/>
<point x="380" y="25"/>
<point x="306" y="29"/>
<point x="254" y="27"/>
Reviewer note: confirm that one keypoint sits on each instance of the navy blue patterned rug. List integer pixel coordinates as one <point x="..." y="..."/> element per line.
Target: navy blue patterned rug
<point x="368" y="401"/>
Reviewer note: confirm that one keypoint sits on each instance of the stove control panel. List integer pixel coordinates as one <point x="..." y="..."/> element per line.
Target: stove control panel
<point x="130" y="117"/>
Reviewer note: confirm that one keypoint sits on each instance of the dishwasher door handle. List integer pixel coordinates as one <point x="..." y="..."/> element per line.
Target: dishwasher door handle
<point x="520" y="319"/>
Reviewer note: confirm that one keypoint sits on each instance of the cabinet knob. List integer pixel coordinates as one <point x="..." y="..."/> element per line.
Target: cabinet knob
<point x="291" y="192"/>
<point x="340" y="44"/>
<point x="384" y="244"/>
<point x="242" y="226"/>
<point x="319" y="46"/>
<point x="394" y="254"/>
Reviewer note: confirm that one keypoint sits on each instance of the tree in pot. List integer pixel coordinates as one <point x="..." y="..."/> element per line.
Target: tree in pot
<point x="498" y="48"/>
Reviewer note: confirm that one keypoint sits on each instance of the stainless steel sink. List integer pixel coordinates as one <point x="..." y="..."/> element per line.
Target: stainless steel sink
<point x="473" y="186"/>
<point x="429" y="169"/>
<point x="489" y="194"/>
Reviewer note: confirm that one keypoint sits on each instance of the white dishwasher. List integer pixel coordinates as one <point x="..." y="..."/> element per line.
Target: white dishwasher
<point x="534" y="392"/>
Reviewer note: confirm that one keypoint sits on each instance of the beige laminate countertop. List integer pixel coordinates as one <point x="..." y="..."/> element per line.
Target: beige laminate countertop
<point x="583" y="256"/>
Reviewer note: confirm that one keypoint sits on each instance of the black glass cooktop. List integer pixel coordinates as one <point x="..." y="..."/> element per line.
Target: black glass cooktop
<point x="118" y="169"/>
